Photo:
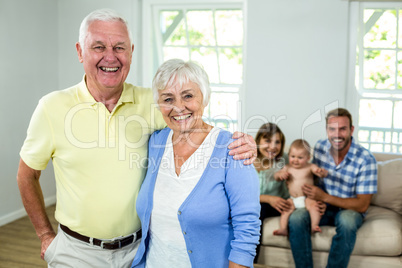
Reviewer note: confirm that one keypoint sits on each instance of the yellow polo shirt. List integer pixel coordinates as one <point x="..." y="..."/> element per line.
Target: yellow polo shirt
<point x="99" y="157"/>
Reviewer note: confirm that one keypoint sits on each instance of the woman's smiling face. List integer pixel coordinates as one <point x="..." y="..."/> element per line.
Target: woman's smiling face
<point x="270" y="147"/>
<point x="182" y="107"/>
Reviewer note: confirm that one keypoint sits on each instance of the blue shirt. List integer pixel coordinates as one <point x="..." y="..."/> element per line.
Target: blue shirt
<point x="356" y="174"/>
<point x="220" y="217"/>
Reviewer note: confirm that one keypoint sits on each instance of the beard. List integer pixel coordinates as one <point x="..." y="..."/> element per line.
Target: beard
<point x="345" y="142"/>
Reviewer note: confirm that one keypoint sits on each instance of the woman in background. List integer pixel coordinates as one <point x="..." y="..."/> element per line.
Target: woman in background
<point x="270" y="142"/>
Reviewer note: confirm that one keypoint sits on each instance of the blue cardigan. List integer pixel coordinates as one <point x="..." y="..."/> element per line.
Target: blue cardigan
<point x="220" y="217"/>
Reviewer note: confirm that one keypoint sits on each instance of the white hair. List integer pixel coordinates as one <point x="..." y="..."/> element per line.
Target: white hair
<point x="100" y="15"/>
<point x="178" y="72"/>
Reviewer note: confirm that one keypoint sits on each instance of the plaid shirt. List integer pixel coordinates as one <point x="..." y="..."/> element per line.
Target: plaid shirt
<point x="356" y="174"/>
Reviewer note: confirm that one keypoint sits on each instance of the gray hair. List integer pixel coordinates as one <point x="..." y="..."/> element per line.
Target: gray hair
<point x="100" y="15"/>
<point x="176" y="71"/>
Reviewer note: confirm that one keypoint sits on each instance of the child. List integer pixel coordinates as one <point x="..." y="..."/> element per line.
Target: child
<point x="297" y="173"/>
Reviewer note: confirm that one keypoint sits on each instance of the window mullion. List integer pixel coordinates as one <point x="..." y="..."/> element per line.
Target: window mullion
<point x="158" y="36"/>
<point x="172" y="27"/>
<point x="187" y="34"/>
<point x="361" y="51"/>
<point x="397" y="49"/>
<point x="216" y="45"/>
<point x="396" y="74"/>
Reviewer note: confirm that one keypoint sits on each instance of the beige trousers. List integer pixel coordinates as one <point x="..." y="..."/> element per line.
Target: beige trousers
<point x="66" y="251"/>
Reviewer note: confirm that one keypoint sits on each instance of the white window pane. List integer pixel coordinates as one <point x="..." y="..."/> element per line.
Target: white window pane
<point x="388" y="136"/>
<point x="229" y="27"/>
<point x="398" y="115"/>
<point x="201" y="28"/>
<point x="399" y="82"/>
<point x="387" y="148"/>
<point x="365" y="145"/>
<point x="223" y="105"/>
<point x="208" y="59"/>
<point x="231" y="65"/>
<point x="377" y="136"/>
<point x="222" y="88"/>
<point x="379" y="69"/>
<point x="400" y="30"/>
<point x="173" y="28"/>
<point x="175" y="53"/>
<point x="225" y="124"/>
<point x="380" y="28"/>
<point x="376" y="148"/>
<point x="363" y="135"/>
<point x="167" y="19"/>
<point x="395" y="137"/>
<point x="375" y="113"/>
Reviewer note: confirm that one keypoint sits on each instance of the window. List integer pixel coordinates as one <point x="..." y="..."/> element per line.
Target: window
<point x="378" y="77"/>
<point x="211" y="35"/>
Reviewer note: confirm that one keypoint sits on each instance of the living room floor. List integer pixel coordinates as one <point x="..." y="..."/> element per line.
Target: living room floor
<point x="21" y="248"/>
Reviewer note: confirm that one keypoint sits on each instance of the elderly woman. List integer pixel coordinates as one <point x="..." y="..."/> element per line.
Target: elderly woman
<point x="198" y="206"/>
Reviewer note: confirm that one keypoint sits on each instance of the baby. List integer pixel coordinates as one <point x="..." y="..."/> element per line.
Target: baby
<point x="298" y="172"/>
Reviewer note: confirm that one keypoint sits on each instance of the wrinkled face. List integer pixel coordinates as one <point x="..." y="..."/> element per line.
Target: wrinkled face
<point x="270" y="148"/>
<point x="298" y="157"/>
<point x="182" y="107"/>
<point x="106" y="56"/>
<point x="339" y="133"/>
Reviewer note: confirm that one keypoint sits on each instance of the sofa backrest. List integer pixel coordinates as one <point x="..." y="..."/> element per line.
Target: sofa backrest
<point x="386" y="156"/>
<point x="389" y="192"/>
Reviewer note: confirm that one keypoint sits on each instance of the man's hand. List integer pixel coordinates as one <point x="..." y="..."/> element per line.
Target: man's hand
<point x="32" y="198"/>
<point x="313" y="192"/>
<point x="360" y="203"/>
<point x="46" y="239"/>
<point x="321" y="207"/>
<point x="244" y="147"/>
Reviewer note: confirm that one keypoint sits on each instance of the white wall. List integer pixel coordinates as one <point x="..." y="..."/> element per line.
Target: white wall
<point x="296" y="66"/>
<point x="38" y="56"/>
<point x="28" y="70"/>
<point x="70" y="15"/>
<point x="296" y="63"/>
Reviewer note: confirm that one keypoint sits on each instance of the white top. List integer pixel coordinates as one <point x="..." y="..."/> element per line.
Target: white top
<point x="167" y="247"/>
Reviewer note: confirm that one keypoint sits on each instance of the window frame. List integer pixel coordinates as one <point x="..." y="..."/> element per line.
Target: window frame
<point x="356" y="94"/>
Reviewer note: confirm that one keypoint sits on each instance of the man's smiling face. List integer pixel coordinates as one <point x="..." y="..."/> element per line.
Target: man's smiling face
<point x="106" y="56"/>
<point x="339" y="133"/>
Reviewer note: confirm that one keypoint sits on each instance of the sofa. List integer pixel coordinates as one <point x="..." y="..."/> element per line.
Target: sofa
<point x="379" y="239"/>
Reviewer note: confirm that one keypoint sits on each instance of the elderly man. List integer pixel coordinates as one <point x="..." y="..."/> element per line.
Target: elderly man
<point x="96" y="134"/>
<point x="348" y="185"/>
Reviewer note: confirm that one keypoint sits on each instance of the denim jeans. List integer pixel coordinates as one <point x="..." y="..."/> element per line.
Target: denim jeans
<point x="347" y="222"/>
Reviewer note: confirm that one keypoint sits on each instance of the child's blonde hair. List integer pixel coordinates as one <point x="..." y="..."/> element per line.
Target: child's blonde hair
<point x="301" y="144"/>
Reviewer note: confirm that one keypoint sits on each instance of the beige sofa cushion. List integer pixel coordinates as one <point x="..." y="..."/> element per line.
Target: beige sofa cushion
<point x="389" y="194"/>
<point x="381" y="234"/>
